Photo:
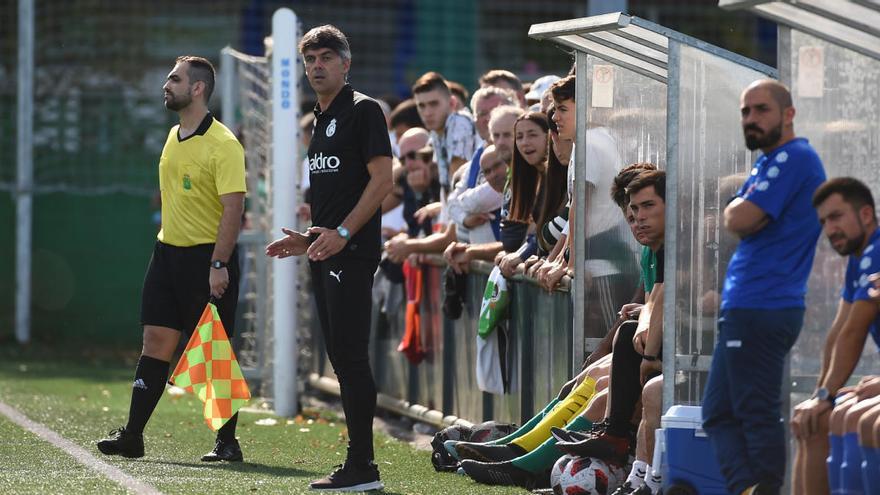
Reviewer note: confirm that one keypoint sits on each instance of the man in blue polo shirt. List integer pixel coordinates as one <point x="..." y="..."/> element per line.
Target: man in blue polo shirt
<point x="762" y="305"/>
<point x="846" y="211"/>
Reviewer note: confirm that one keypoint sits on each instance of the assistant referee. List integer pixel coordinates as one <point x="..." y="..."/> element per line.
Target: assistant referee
<point x="350" y="174"/>
<point x="202" y="183"/>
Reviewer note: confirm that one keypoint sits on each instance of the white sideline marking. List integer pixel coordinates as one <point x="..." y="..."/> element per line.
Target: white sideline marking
<point x="79" y="454"/>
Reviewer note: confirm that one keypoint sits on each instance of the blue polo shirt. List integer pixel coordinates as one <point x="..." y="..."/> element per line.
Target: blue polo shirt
<point x="855" y="283"/>
<point x="769" y="269"/>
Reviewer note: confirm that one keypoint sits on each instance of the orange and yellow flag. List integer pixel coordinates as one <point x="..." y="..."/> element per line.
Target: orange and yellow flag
<point x="208" y="368"/>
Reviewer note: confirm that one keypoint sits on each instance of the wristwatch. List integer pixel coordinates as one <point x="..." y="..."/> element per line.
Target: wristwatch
<point x="343" y="232"/>
<point x="822" y="393"/>
<point x="218" y="264"/>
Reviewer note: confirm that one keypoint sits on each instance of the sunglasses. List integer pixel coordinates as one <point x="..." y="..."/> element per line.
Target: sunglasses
<point x="412" y="155"/>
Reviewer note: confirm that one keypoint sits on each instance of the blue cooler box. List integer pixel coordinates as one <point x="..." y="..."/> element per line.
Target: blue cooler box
<point x="689" y="465"/>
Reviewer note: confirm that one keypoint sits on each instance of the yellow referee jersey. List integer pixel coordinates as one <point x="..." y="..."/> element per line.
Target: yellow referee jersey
<point x="193" y="173"/>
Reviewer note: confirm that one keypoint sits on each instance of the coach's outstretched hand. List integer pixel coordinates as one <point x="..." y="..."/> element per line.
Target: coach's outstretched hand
<point x="294" y="244"/>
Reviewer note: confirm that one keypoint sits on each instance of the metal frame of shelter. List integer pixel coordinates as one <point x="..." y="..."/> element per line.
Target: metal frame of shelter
<point x="838" y="106"/>
<point x="657" y="53"/>
<point x="852" y="24"/>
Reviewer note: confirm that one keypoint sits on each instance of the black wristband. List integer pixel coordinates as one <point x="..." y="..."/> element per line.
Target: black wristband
<point x="649" y="358"/>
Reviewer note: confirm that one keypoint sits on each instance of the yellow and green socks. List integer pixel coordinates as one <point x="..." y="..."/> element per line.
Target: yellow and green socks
<point x="543" y="457"/>
<point x="522" y="430"/>
<point x="574" y="403"/>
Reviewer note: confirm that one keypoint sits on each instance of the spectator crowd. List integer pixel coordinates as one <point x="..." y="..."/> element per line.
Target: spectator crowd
<point x="490" y="176"/>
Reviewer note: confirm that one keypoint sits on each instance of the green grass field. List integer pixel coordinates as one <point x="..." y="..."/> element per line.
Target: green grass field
<point x="82" y="399"/>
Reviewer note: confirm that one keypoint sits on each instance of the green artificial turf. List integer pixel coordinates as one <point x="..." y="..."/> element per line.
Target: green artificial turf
<point x="83" y="399"/>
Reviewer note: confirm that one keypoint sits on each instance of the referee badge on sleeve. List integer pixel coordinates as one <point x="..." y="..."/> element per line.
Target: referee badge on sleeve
<point x="187" y="182"/>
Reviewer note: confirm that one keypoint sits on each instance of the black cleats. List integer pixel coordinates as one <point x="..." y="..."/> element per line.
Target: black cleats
<point x="350" y="478"/>
<point x="499" y="473"/>
<point x="121" y="442"/>
<point x="487" y="452"/>
<point x="224" y="451"/>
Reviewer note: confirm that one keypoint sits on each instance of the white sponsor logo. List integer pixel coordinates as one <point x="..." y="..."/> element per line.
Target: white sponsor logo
<point x="773" y="172"/>
<point x="869" y="249"/>
<point x="331" y="128"/>
<point x="319" y="163"/>
<point x="139" y="383"/>
<point x="863" y="280"/>
<point x="336" y="275"/>
<point x="782" y="157"/>
<point x="762" y="186"/>
<point x="734" y="343"/>
<point x="866" y="263"/>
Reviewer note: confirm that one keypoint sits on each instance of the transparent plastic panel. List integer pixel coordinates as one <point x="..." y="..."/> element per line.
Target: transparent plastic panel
<point x="626" y="118"/>
<point x="837" y="97"/>
<point x="712" y="164"/>
<point x="548" y="314"/>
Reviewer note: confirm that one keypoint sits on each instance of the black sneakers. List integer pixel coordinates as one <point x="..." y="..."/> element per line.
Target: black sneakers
<point x="487" y="452"/>
<point x="499" y="473"/>
<point x="121" y="442"/>
<point x="224" y="451"/>
<point x="350" y="478"/>
<point x="625" y="489"/>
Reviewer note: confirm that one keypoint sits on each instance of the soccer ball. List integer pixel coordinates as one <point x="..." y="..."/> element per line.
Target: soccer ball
<point x="585" y="476"/>
<point x="556" y="473"/>
<point x="457" y="432"/>
<point x="490" y="430"/>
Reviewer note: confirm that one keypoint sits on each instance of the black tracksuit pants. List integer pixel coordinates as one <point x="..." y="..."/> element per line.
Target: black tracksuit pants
<point x="343" y="293"/>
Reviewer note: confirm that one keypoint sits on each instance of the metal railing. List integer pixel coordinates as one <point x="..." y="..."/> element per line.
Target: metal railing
<point x="442" y="389"/>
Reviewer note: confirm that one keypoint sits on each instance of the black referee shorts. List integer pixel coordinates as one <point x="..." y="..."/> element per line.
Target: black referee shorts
<point x="176" y="288"/>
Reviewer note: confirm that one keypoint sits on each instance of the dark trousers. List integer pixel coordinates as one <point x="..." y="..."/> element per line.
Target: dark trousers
<point x="743" y="398"/>
<point x="343" y="293"/>
<point x="626" y="388"/>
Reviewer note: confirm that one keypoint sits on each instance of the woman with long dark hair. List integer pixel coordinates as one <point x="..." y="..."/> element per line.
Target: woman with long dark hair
<point x="553" y="213"/>
<point x="527" y="169"/>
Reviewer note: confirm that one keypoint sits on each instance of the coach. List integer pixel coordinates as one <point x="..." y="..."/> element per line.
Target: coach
<point x="350" y="174"/>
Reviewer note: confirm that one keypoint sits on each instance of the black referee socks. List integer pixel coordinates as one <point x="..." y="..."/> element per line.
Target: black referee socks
<point x="226" y="433"/>
<point x="149" y="383"/>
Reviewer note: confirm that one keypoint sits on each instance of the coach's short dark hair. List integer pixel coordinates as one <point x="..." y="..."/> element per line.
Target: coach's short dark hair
<point x="326" y="36"/>
<point x="200" y="69"/>
<point x="563" y="89"/>
<point x="853" y="191"/>
<point x="648" y="178"/>
<point x="429" y="82"/>
<point x="623" y="179"/>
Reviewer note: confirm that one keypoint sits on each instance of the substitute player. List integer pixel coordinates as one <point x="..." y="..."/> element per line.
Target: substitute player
<point x="846" y="211"/>
<point x="202" y="183"/>
<point x="350" y="173"/>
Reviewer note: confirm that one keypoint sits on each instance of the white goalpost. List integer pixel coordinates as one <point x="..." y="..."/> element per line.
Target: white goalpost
<point x="261" y="101"/>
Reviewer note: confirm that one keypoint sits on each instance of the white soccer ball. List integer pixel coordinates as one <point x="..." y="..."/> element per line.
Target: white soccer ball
<point x="556" y="473"/>
<point x="586" y="476"/>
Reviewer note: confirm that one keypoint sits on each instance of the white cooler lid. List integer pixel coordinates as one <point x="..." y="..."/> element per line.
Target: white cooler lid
<point x="688" y="417"/>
